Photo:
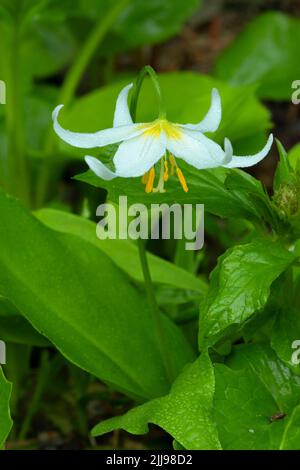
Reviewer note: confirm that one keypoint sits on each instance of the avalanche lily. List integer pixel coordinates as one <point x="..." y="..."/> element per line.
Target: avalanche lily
<point x="142" y="145"/>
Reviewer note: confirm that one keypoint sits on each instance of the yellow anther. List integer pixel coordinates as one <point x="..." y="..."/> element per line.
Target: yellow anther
<point x="173" y="164"/>
<point x="182" y="180"/>
<point x="166" y="172"/>
<point x="150" y="181"/>
<point x="145" y="177"/>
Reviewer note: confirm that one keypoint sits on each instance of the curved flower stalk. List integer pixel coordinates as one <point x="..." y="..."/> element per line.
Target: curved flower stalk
<point x="142" y="145"/>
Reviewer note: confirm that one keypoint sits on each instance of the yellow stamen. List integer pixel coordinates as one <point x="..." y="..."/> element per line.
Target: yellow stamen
<point x="166" y="172"/>
<point x="173" y="164"/>
<point x="182" y="180"/>
<point x="149" y="185"/>
<point x="145" y="177"/>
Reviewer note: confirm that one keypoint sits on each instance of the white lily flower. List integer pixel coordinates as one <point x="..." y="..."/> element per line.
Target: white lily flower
<point x="142" y="145"/>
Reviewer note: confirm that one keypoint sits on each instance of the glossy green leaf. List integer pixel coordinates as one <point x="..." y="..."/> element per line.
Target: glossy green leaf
<point x="284" y="172"/>
<point x="206" y="187"/>
<point x="294" y="157"/>
<point x="256" y="401"/>
<point x="73" y="294"/>
<point x="15" y="328"/>
<point x="264" y="54"/>
<point x="240" y="286"/>
<point x="124" y="253"/>
<point x="5" y="419"/>
<point x="53" y="46"/>
<point x="185" y="413"/>
<point x="291" y="436"/>
<point x="286" y="327"/>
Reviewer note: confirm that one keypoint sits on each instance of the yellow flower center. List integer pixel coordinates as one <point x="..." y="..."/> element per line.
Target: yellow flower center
<point x="172" y="131"/>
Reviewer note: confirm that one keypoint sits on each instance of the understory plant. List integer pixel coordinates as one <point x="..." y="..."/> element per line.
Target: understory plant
<point x="121" y="333"/>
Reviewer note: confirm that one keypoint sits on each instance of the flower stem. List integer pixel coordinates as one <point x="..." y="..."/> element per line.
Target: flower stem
<point x="97" y="35"/>
<point x="70" y="84"/>
<point x="147" y="70"/>
<point x="156" y="314"/>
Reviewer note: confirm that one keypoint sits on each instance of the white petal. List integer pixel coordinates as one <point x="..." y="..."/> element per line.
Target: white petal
<point x="201" y="153"/>
<point x="212" y="119"/>
<point x="97" y="139"/>
<point x="136" y="156"/>
<point x="122" y="115"/>
<point x="228" y="151"/>
<point x="242" y="162"/>
<point x="99" y="168"/>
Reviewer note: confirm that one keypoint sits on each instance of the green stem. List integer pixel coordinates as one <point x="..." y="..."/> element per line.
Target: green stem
<point x="42" y="380"/>
<point x="97" y="35"/>
<point x="147" y="70"/>
<point x="70" y="84"/>
<point x="18" y="170"/>
<point x="156" y="314"/>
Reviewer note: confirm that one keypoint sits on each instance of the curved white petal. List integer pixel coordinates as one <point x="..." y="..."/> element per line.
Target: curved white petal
<point x="96" y="139"/>
<point x="122" y="115"/>
<point x="201" y="153"/>
<point x="212" y="120"/>
<point x="228" y="151"/>
<point x="99" y="168"/>
<point x="242" y="162"/>
<point x="136" y="156"/>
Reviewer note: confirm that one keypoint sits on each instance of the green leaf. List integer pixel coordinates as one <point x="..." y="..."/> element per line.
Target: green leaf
<point x="74" y="295"/>
<point x="291" y="436"/>
<point x="15" y="328"/>
<point x="253" y="195"/>
<point x="185" y="413"/>
<point x="53" y="46"/>
<point x="264" y="54"/>
<point x="294" y="157"/>
<point x="240" y="286"/>
<point x="141" y="22"/>
<point x="123" y="252"/>
<point x="252" y="389"/>
<point x="284" y="172"/>
<point x="206" y="187"/>
<point x="5" y="419"/>
<point x="286" y="326"/>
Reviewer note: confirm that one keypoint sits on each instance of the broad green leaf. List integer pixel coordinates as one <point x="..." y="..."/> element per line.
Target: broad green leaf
<point x="74" y="295"/>
<point x="286" y="327"/>
<point x="264" y="54"/>
<point x="252" y="389"/>
<point x="51" y="41"/>
<point x="54" y="47"/>
<point x="294" y="157"/>
<point x="286" y="330"/>
<point x="193" y="95"/>
<point x="240" y="286"/>
<point x="252" y="195"/>
<point x="291" y="436"/>
<point x="284" y="172"/>
<point x="206" y="187"/>
<point x="185" y="413"/>
<point x="15" y="328"/>
<point x="141" y="22"/>
<point x="5" y="419"/>
<point x="123" y="252"/>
